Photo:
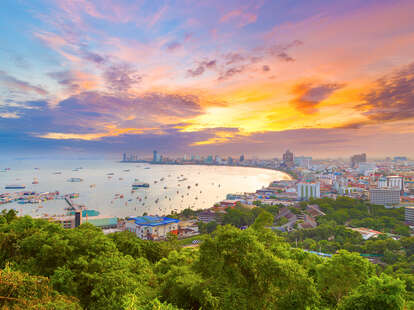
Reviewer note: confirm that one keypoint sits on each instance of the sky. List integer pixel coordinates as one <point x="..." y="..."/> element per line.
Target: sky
<point x="322" y="78"/>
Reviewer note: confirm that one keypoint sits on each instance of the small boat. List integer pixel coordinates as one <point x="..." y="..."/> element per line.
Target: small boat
<point x="75" y="180"/>
<point x="15" y="186"/>
<point x="141" y="184"/>
<point x="57" y="172"/>
<point x="110" y="173"/>
<point x="127" y="170"/>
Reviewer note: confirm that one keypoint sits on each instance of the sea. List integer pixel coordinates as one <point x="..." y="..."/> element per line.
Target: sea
<point x="172" y="187"/>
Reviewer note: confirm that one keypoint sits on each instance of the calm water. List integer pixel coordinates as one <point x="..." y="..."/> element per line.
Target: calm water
<point x="204" y="185"/>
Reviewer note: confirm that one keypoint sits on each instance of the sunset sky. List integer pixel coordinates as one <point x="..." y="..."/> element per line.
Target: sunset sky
<point x="322" y="78"/>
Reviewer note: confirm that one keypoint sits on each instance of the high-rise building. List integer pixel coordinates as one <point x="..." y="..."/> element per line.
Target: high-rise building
<point x="395" y="181"/>
<point x="288" y="159"/>
<point x="307" y="190"/>
<point x="303" y="161"/>
<point x="155" y="157"/>
<point x="384" y="196"/>
<point x="241" y="158"/>
<point x="409" y="215"/>
<point x="124" y="157"/>
<point x="358" y="158"/>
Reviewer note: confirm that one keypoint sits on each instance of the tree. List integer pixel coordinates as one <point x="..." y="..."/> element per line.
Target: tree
<point x="338" y="276"/>
<point x="264" y="219"/>
<point x="20" y="290"/>
<point x="382" y="292"/>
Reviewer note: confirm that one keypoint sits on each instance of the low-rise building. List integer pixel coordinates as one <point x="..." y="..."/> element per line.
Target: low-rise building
<point x="152" y="227"/>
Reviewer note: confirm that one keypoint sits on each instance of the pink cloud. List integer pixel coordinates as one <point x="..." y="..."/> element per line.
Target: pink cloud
<point x="240" y="17"/>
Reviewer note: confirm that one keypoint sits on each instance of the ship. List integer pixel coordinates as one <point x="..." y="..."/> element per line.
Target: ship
<point x="75" y="180"/>
<point x="140" y="184"/>
<point x="15" y="186"/>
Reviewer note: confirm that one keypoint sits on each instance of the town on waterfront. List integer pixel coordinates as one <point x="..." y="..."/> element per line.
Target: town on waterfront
<point x="387" y="182"/>
<point x="206" y="155"/>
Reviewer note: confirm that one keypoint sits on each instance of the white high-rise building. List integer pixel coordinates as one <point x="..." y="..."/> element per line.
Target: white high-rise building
<point x="307" y="190"/>
<point x="395" y="181"/>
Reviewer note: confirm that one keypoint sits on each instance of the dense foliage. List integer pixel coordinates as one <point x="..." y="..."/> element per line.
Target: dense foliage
<point x="44" y="266"/>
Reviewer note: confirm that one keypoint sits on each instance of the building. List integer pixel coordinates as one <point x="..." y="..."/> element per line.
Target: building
<point x="358" y="158"/>
<point x="103" y="222"/>
<point x="307" y="190"/>
<point x="367" y="233"/>
<point x="241" y="158"/>
<point x="303" y="161"/>
<point x="152" y="227"/>
<point x="156" y="157"/>
<point x="395" y="181"/>
<point x="288" y="159"/>
<point x="384" y="196"/>
<point x="409" y="215"/>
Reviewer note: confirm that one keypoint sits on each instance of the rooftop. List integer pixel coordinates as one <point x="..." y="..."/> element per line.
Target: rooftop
<point x="148" y="220"/>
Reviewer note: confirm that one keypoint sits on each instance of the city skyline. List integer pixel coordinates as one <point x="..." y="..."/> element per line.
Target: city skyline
<point x="324" y="79"/>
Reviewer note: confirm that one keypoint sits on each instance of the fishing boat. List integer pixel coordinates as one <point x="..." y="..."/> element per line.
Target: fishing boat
<point x="127" y="170"/>
<point x="140" y="184"/>
<point x="15" y="186"/>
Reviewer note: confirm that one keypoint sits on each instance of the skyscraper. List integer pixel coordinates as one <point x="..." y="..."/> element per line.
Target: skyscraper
<point x="241" y="158"/>
<point x="358" y="158"/>
<point x="155" y="156"/>
<point x="288" y="159"/>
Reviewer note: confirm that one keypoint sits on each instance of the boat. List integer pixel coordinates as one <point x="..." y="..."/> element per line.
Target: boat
<point x="57" y="172"/>
<point x="15" y="186"/>
<point x="35" y="181"/>
<point x="140" y="184"/>
<point x="110" y="173"/>
<point x="127" y="170"/>
<point x="75" y="180"/>
<point x="147" y="168"/>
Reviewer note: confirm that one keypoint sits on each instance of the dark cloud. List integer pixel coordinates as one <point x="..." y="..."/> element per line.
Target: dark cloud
<point x="266" y="68"/>
<point x="310" y="95"/>
<point x="280" y="51"/>
<point x="201" y="68"/>
<point x="231" y="72"/>
<point x="285" y="57"/>
<point x="121" y="77"/>
<point x="93" y="57"/>
<point x="392" y="97"/>
<point x="66" y="79"/>
<point x="92" y="112"/>
<point x="11" y="82"/>
<point x="232" y="58"/>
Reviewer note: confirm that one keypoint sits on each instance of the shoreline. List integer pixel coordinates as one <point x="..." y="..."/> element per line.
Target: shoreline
<point x="289" y="173"/>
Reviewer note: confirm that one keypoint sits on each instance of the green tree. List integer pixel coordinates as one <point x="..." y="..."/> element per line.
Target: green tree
<point x="23" y="291"/>
<point x="338" y="276"/>
<point x="382" y="292"/>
